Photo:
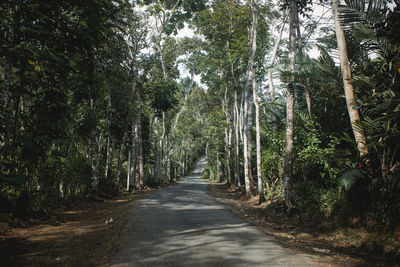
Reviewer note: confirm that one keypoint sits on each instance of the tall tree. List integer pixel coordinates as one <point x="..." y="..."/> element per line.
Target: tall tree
<point x="288" y="160"/>
<point x="248" y="98"/>
<point x="347" y="83"/>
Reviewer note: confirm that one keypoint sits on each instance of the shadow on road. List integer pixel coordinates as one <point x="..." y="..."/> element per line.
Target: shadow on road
<point x="183" y="226"/>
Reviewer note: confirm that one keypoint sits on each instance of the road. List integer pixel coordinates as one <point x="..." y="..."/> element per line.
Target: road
<point x="182" y="225"/>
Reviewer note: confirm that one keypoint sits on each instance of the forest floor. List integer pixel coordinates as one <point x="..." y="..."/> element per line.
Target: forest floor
<point x="345" y="246"/>
<point x="79" y="234"/>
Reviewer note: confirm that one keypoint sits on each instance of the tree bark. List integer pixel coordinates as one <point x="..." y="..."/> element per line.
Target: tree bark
<point x="121" y="156"/>
<point x="157" y="164"/>
<point x="134" y="154"/>
<point x="348" y="86"/>
<point x="237" y="142"/>
<point x="273" y="58"/>
<point x="140" y="153"/>
<point x="260" y="186"/>
<point x="307" y="93"/>
<point x="163" y="156"/>
<point x="129" y="113"/>
<point x="288" y="160"/>
<point x="308" y="100"/>
<point x="94" y="134"/>
<point x="249" y="99"/>
<point x="229" y="159"/>
<point x="109" y="145"/>
<point x="227" y="138"/>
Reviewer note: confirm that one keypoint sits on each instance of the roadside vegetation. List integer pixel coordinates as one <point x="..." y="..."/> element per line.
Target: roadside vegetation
<point x="293" y="102"/>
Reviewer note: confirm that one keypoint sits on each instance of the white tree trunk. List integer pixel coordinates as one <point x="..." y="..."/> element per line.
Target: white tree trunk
<point x="288" y="160"/>
<point x="157" y="164"/>
<point x="348" y="86"/>
<point x="248" y="109"/>
<point x="121" y="156"/>
<point x="227" y="137"/>
<point x="273" y="58"/>
<point x="237" y="142"/>
<point x="134" y="154"/>
<point x="260" y="186"/>
<point x="109" y="148"/>
<point x="140" y="154"/>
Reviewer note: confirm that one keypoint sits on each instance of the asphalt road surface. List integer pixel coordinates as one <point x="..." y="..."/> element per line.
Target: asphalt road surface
<point x="183" y="226"/>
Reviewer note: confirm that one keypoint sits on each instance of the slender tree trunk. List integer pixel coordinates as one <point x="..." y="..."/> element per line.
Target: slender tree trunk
<point x="227" y="137"/>
<point x="220" y="171"/>
<point x="237" y="143"/>
<point x="348" y="86"/>
<point x="308" y="100"/>
<point x="299" y="41"/>
<point x="248" y="93"/>
<point x="157" y="171"/>
<point x="94" y="159"/>
<point x="183" y="107"/>
<point x="247" y="170"/>
<point x="159" y="47"/>
<point x="260" y="186"/>
<point x="134" y="153"/>
<point x="110" y="156"/>
<point x="140" y="153"/>
<point x="128" y="116"/>
<point x="185" y="164"/>
<point x="229" y="156"/>
<point x="121" y="156"/>
<point x="94" y="134"/>
<point x="109" y="148"/>
<point x="241" y="118"/>
<point x="129" y="179"/>
<point x="273" y="58"/>
<point x="257" y="109"/>
<point x="288" y="160"/>
<point x="182" y="161"/>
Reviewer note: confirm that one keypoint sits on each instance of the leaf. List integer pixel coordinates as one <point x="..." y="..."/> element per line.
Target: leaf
<point x="349" y="178"/>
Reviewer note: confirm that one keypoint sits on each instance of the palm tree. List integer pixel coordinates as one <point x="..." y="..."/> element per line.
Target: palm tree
<point x="347" y="83"/>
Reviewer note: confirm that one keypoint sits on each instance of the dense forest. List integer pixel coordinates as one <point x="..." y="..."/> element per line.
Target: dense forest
<point x="291" y="101"/>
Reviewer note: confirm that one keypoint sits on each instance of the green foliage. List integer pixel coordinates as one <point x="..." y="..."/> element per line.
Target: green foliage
<point x="271" y="163"/>
<point x="349" y="178"/>
<point x="76" y="176"/>
<point x="75" y="78"/>
<point x="53" y="80"/>
<point x="315" y="161"/>
<point x="161" y="94"/>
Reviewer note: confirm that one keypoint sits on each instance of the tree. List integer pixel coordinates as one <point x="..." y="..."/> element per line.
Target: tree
<point x="348" y="86"/>
<point x="288" y="161"/>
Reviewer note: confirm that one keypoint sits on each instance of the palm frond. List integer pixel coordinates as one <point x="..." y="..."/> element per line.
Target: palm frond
<point x="303" y="115"/>
<point x="349" y="178"/>
<point x="325" y="67"/>
<point x="356" y="11"/>
<point x="361" y="17"/>
<point x="368" y="126"/>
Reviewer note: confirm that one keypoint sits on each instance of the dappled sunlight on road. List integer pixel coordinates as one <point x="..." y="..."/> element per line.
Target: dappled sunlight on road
<point x="183" y="226"/>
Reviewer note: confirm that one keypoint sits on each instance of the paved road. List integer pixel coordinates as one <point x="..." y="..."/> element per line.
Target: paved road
<point x="183" y="226"/>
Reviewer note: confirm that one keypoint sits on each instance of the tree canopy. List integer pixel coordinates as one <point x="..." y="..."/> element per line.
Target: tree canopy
<point x="87" y="86"/>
